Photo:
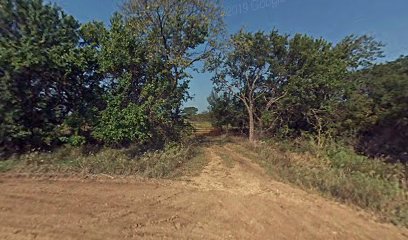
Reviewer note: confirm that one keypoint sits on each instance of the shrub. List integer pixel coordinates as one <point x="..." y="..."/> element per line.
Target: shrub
<point x="77" y="140"/>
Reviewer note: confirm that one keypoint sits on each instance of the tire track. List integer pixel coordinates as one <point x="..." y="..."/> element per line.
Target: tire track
<point x="239" y="202"/>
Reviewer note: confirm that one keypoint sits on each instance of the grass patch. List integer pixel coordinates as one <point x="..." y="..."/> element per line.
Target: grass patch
<point x="201" y="125"/>
<point x="172" y="161"/>
<point x="337" y="172"/>
<point x="227" y="159"/>
<point x="7" y="165"/>
<point x="194" y="166"/>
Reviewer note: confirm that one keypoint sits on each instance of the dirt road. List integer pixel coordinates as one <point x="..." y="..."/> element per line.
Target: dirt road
<point x="227" y="201"/>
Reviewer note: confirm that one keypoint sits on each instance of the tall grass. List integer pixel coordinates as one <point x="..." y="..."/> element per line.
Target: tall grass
<point x="172" y="161"/>
<point x="337" y="171"/>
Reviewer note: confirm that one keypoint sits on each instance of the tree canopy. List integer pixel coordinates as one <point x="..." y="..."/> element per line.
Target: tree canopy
<point x="291" y="82"/>
<point x="66" y="82"/>
<point x="126" y="83"/>
<point x="190" y="111"/>
<point x="48" y="73"/>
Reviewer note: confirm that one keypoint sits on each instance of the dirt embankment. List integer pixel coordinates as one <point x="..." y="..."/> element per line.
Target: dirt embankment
<point x="224" y="202"/>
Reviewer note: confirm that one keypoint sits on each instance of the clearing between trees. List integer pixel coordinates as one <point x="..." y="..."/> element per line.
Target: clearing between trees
<point x="232" y="198"/>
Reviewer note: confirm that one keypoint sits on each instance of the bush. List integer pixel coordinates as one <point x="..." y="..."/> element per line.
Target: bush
<point x="77" y="140"/>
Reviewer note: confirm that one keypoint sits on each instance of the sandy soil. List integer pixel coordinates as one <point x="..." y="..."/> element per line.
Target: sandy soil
<point x="239" y="202"/>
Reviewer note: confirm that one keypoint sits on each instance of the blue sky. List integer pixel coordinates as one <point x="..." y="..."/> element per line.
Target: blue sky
<point x="386" y="20"/>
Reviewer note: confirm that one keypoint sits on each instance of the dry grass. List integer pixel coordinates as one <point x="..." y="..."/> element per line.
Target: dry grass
<point x="337" y="172"/>
<point x="202" y="125"/>
<point x="227" y="159"/>
<point x="172" y="161"/>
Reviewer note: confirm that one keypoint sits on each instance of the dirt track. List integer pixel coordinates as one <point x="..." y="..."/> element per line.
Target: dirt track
<point x="238" y="202"/>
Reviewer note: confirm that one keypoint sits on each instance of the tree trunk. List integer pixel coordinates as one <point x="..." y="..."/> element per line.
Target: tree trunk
<point x="251" y="123"/>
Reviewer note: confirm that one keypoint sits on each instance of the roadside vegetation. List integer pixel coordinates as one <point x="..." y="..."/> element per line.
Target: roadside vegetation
<point x="66" y="83"/>
<point x="336" y="172"/>
<point x="324" y="116"/>
<point x="95" y="98"/>
<point x="172" y="161"/>
<point x="109" y="99"/>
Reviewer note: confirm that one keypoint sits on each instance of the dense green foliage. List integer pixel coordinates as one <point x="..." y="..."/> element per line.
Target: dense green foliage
<point x="48" y="75"/>
<point x="383" y="95"/>
<point x="290" y="82"/>
<point x="190" y="111"/>
<point x="302" y="86"/>
<point x="226" y="111"/>
<point x="62" y="82"/>
<point x="146" y="54"/>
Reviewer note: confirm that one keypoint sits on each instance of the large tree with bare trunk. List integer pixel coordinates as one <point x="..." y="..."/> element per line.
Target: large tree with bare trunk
<point x="297" y="81"/>
<point x="245" y="70"/>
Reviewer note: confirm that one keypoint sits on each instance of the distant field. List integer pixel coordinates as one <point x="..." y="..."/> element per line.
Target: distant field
<point x="203" y="128"/>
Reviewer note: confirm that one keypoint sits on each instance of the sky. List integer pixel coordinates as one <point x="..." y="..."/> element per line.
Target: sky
<point x="386" y="20"/>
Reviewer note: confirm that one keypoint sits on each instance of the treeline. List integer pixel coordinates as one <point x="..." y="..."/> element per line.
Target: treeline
<point x="272" y="84"/>
<point x="62" y="82"/>
<point x="66" y="82"/>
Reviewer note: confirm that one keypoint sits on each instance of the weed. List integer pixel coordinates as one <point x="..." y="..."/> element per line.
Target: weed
<point x="338" y="172"/>
<point x="6" y="165"/>
<point x="227" y="159"/>
<point x="172" y="161"/>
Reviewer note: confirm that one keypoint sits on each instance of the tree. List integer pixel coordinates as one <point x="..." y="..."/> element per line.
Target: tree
<point x="175" y="29"/>
<point x="291" y="83"/>
<point x="378" y="109"/>
<point x="251" y="69"/>
<point x="318" y="88"/>
<point x="145" y="57"/>
<point x="226" y="111"/>
<point x="45" y="76"/>
<point x="181" y="33"/>
<point x="190" y="111"/>
<point x="131" y="83"/>
<point x="242" y="70"/>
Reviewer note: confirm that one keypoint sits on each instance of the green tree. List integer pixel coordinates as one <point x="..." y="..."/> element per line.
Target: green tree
<point x="292" y="84"/>
<point x="378" y="109"/>
<point x="318" y="86"/>
<point x="244" y="71"/>
<point x="227" y="111"/>
<point x="128" y="82"/>
<point x="190" y="111"/>
<point x="45" y="73"/>
<point x="145" y="57"/>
